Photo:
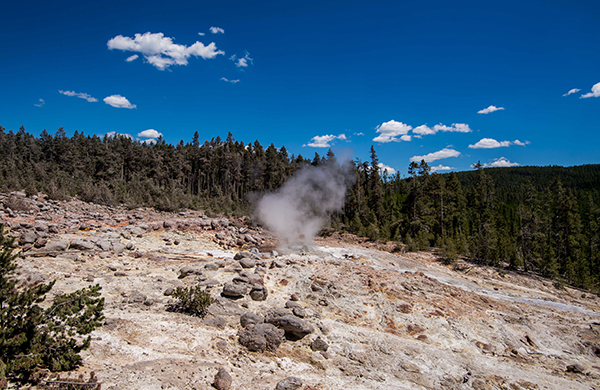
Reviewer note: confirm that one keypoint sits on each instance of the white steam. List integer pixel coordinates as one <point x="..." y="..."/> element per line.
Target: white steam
<point x="298" y="210"/>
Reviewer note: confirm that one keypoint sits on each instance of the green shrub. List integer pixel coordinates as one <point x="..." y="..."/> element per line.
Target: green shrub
<point x="33" y="338"/>
<point x="192" y="300"/>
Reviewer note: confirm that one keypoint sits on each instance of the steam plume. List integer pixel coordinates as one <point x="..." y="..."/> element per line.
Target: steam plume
<point x="298" y="210"/>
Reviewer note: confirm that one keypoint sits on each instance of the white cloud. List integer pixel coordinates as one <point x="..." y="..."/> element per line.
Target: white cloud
<point x="112" y="134"/>
<point x="132" y="58"/>
<point x="243" y="61"/>
<point x="390" y="131"/>
<point x="217" y="30"/>
<point x="150" y="133"/>
<point x="424" y="130"/>
<point x="574" y="90"/>
<point x="455" y="128"/>
<point x="595" y="92"/>
<point x="201" y="34"/>
<point x="230" y="81"/>
<point x="40" y="104"/>
<point x="517" y="142"/>
<point x="501" y="162"/>
<point x="489" y="143"/>
<point x="118" y="101"/>
<point x="359" y="134"/>
<point x="383" y="169"/>
<point x="79" y="95"/>
<point x="323" y="141"/>
<point x="160" y="51"/>
<point x="440" y="154"/>
<point x="148" y="141"/>
<point x="490" y="109"/>
<point x="441" y="168"/>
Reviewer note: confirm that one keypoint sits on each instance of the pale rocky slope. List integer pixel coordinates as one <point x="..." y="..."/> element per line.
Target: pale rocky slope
<point x="387" y="321"/>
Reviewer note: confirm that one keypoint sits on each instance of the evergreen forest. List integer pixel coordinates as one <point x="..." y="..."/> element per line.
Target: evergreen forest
<point x="535" y="219"/>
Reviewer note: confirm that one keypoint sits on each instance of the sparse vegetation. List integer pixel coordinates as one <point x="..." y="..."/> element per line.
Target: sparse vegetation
<point x="33" y="338"/>
<point x="192" y="300"/>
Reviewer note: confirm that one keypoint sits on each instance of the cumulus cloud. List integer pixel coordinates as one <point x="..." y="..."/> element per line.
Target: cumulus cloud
<point x="439" y="155"/>
<point x="386" y="169"/>
<point x="423" y="130"/>
<point x="80" y="95"/>
<point x="150" y="133"/>
<point x="574" y="90"/>
<point x="323" y="141"/>
<point x="490" y="109"/>
<point x="455" y="128"/>
<point x="217" y="30"/>
<point x="229" y="81"/>
<point x="160" y="51"/>
<point x="490" y="143"/>
<point x="242" y="62"/>
<point x="40" y="104"/>
<point x="441" y="168"/>
<point x="132" y="58"/>
<point x="390" y="131"/>
<point x="517" y="142"/>
<point x="501" y="162"/>
<point x="118" y="101"/>
<point x="201" y="34"/>
<point x="595" y="92"/>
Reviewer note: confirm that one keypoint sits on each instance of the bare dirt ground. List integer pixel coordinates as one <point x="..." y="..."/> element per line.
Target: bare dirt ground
<point x="388" y="320"/>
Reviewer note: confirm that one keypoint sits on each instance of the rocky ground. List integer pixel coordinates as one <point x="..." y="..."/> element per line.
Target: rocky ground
<point x="342" y="314"/>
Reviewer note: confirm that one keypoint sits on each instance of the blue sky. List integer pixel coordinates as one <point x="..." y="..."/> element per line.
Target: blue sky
<point x="450" y="82"/>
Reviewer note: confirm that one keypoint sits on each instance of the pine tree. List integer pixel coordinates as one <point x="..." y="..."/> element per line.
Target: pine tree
<point x="32" y="337"/>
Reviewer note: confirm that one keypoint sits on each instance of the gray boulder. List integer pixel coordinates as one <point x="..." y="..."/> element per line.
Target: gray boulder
<point x="250" y="318"/>
<point x="259" y="293"/>
<point x="28" y="237"/>
<point x="261" y="337"/>
<point x="82" y="245"/>
<point x="223" y="379"/>
<point x="289" y="383"/>
<point x="294" y="326"/>
<point x="235" y="290"/>
<point x="187" y="271"/>
<point x="57" y="246"/>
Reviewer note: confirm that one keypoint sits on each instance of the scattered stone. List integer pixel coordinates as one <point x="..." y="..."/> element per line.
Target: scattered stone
<point x="576" y="368"/>
<point x="299" y="312"/>
<point x="28" y="237"/>
<point x="289" y="383"/>
<point x="319" y="344"/>
<point x="120" y="273"/>
<point x="169" y="291"/>
<point x="187" y="271"/>
<point x="251" y="319"/>
<point x="81" y="245"/>
<point x="261" y="337"/>
<point x="294" y="326"/>
<point x="259" y="293"/>
<point x="235" y="290"/>
<point x="247" y="263"/>
<point x="223" y="379"/>
<point x="211" y="267"/>
<point x="291" y="304"/>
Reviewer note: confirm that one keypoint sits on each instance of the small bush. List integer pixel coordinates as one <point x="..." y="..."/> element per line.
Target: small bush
<point x="192" y="300"/>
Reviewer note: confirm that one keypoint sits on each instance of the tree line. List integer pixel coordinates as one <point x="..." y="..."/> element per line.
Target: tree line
<point x="541" y="219"/>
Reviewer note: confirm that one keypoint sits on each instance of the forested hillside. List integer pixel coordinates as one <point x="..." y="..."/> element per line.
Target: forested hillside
<point x="542" y="219"/>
